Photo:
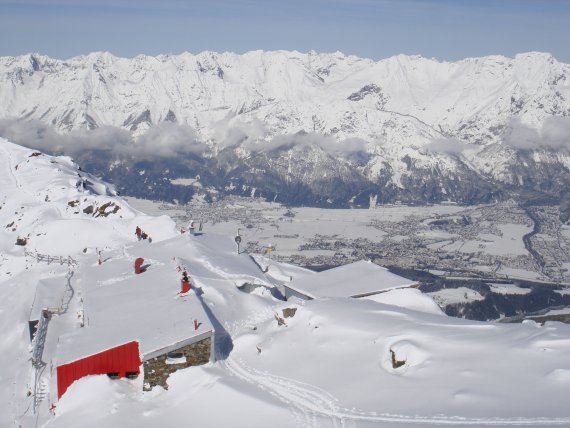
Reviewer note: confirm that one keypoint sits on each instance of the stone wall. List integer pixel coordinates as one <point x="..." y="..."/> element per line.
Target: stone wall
<point x="156" y="370"/>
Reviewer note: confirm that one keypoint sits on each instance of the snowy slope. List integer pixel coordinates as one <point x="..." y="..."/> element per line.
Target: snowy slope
<point x="328" y="365"/>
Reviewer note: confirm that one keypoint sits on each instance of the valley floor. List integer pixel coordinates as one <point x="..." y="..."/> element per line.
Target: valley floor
<point x="451" y="239"/>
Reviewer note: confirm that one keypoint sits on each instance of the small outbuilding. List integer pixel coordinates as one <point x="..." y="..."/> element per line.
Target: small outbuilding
<point x="359" y="279"/>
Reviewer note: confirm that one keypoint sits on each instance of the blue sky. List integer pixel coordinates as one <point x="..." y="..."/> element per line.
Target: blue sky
<point x="444" y="29"/>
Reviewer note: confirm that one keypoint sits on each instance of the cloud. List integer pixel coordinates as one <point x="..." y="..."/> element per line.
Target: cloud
<point x="229" y="132"/>
<point x="162" y="140"/>
<point x="106" y="138"/>
<point x="450" y="146"/>
<point x="346" y="148"/>
<point x="553" y="134"/>
<point x="37" y="135"/>
<point x="350" y="146"/>
<point x="521" y="136"/>
<point x="168" y="140"/>
<point x="33" y="134"/>
<point x="253" y="135"/>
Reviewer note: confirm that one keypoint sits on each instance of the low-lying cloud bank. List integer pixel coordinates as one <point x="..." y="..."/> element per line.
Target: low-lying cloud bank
<point x="327" y="143"/>
<point x="450" y="146"/>
<point x="168" y="140"/>
<point x="253" y="136"/>
<point x="163" y="140"/>
<point x="553" y="134"/>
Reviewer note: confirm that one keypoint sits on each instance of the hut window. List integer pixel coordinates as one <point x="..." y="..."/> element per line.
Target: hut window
<point x="175" y="357"/>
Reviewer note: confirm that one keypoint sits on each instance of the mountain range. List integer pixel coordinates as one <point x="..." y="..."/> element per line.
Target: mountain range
<point x="301" y="128"/>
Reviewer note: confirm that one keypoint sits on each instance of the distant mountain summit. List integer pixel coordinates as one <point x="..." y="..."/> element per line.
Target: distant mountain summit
<point x="318" y="129"/>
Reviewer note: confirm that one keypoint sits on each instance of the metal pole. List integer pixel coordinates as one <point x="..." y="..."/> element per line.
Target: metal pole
<point x="238" y="241"/>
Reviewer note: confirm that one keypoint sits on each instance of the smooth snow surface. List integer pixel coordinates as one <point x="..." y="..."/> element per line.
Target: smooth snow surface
<point x="449" y="296"/>
<point x="408" y="298"/>
<point x="327" y="365"/>
<point x="508" y="289"/>
<point x="352" y="280"/>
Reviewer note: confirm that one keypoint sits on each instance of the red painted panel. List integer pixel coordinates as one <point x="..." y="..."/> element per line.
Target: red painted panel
<point x="121" y="359"/>
<point x="138" y="265"/>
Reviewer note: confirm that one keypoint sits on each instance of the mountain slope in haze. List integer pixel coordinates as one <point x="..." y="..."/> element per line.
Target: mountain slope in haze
<point x="406" y="127"/>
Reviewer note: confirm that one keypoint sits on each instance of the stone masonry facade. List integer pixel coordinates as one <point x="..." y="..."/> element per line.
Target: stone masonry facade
<point x="156" y="371"/>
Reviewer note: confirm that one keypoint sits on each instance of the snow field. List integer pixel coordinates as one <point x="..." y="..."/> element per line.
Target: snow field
<point x="449" y="296"/>
<point x="328" y="365"/>
<point x="508" y="289"/>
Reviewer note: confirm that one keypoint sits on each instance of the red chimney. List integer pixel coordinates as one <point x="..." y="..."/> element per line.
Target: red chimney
<point x="138" y="265"/>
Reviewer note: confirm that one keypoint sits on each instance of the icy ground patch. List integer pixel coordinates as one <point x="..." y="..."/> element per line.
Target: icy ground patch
<point x="508" y="289"/>
<point x="451" y="296"/>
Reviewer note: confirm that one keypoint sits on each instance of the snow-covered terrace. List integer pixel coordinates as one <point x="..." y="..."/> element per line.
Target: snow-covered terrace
<point x="362" y="278"/>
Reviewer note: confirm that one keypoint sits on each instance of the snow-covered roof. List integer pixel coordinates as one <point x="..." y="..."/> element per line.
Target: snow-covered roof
<point x="49" y="294"/>
<point x="126" y="307"/>
<point x="352" y="280"/>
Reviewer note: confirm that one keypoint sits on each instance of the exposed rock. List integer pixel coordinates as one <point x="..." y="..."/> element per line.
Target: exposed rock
<point x="157" y="370"/>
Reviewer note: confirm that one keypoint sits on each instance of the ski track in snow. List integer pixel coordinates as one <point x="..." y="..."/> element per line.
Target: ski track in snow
<point x="307" y="403"/>
<point x="12" y="169"/>
<point x="10" y="161"/>
<point x="312" y="405"/>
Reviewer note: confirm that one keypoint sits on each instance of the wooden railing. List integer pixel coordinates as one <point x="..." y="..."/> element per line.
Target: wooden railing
<point x="47" y="258"/>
